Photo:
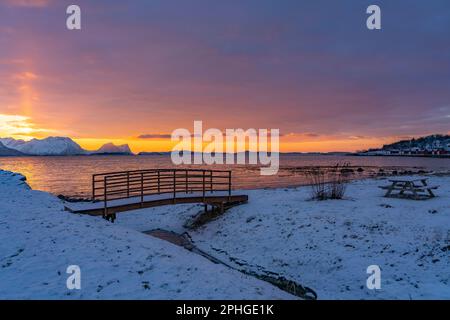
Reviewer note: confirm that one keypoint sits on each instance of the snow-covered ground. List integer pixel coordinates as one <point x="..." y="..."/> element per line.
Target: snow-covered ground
<point x="325" y="245"/>
<point x="39" y="240"/>
<point x="328" y="245"/>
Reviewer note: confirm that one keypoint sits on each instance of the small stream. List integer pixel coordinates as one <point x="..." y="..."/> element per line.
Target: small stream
<point x="185" y="241"/>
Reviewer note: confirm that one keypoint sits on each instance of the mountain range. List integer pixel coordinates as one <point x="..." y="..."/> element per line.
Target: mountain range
<point x="55" y="146"/>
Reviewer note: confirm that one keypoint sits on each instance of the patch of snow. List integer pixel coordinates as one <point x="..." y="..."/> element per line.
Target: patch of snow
<point x="39" y="240"/>
<point x="328" y="245"/>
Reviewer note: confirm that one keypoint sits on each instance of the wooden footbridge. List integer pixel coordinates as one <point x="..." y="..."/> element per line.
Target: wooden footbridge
<point x="116" y="192"/>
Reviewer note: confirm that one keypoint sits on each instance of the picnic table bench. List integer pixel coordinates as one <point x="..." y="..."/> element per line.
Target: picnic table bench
<point x="409" y="188"/>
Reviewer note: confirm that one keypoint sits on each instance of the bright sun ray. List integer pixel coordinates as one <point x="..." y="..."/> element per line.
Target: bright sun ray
<point x="18" y="127"/>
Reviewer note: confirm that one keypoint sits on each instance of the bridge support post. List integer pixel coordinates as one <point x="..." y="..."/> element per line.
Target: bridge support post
<point x="110" y="217"/>
<point x="128" y="184"/>
<point x="93" y="187"/>
<point x="229" y="185"/>
<point x="142" y="190"/>
<point x="105" y="197"/>
<point x="174" y="186"/>
<point x="159" y="182"/>
<point x="203" y="185"/>
<point x="186" y="182"/>
<point x="211" y="181"/>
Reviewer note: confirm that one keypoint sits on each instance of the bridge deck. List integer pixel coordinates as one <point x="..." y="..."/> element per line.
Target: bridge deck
<point x="134" y="203"/>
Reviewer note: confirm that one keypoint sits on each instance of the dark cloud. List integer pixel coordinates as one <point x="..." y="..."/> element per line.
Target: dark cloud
<point x="155" y="136"/>
<point x="312" y="135"/>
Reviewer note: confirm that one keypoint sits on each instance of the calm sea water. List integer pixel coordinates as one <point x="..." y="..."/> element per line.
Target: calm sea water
<point x="71" y="176"/>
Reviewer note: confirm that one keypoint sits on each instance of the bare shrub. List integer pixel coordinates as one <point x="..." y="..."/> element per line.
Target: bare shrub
<point x="329" y="183"/>
<point x="317" y="181"/>
<point x="339" y="178"/>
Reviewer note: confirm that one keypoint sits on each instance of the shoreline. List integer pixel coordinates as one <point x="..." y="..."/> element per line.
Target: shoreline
<point x="159" y="154"/>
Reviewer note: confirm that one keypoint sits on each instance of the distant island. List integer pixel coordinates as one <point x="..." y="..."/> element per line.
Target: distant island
<point x="55" y="146"/>
<point x="437" y="145"/>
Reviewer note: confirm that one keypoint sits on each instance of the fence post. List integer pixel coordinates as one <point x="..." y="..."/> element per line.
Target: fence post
<point x="174" y="185"/>
<point x="142" y="189"/>
<point x="187" y="181"/>
<point x="159" y="182"/>
<point x="128" y="184"/>
<point x="203" y="188"/>
<point x="229" y="185"/>
<point x="211" y="180"/>
<point x="105" y="197"/>
<point x="93" y="187"/>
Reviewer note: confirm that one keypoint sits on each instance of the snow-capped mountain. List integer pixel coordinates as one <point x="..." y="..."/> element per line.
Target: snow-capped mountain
<point x="11" y="143"/>
<point x="51" y="146"/>
<point x="111" y="148"/>
<point x="5" y="151"/>
<point x="55" y="146"/>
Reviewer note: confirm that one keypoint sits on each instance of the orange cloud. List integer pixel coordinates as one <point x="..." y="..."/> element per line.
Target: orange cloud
<point x="19" y="127"/>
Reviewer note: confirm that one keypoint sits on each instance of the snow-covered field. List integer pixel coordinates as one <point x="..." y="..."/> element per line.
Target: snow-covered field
<point x="328" y="245"/>
<point x="39" y="240"/>
<point x="325" y="245"/>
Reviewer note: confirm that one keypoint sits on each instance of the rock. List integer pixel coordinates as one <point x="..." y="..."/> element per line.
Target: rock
<point x="71" y="199"/>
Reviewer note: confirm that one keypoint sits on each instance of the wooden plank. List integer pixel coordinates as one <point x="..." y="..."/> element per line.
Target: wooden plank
<point x="227" y="200"/>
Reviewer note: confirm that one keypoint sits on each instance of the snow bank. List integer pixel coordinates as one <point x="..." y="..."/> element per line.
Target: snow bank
<point x="39" y="240"/>
<point x="328" y="245"/>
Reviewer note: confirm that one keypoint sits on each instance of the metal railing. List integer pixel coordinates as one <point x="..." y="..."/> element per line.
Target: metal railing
<point x="141" y="183"/>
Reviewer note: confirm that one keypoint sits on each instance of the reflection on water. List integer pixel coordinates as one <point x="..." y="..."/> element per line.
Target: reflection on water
<point x="72" y="176"/>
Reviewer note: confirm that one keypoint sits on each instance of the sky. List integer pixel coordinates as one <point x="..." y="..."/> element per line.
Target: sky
<point x="137" y="70"/>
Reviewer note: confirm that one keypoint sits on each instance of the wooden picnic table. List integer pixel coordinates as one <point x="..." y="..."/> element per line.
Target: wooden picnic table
<point x="410" y="188"/>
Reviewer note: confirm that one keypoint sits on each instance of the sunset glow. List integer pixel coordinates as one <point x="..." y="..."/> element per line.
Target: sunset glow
<point x="224" y="156"/>
<point x="326" y="86"/>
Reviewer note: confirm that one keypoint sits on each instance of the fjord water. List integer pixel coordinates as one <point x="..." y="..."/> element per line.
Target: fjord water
<point x="71" y="176"/>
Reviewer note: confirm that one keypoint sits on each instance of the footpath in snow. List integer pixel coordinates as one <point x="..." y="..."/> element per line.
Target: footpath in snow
<point x="39" y="240"/>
